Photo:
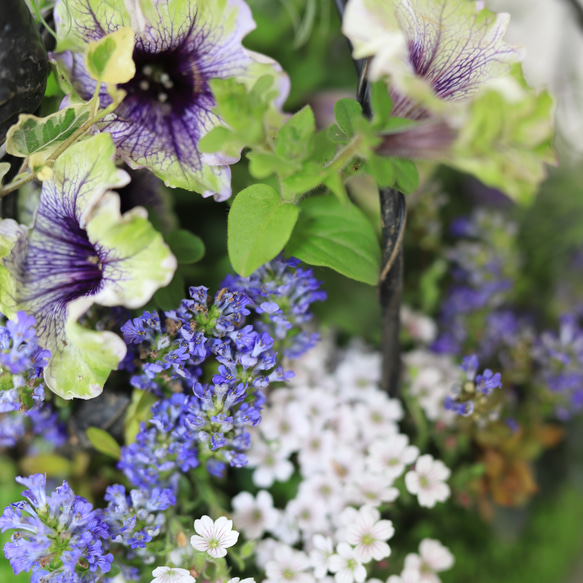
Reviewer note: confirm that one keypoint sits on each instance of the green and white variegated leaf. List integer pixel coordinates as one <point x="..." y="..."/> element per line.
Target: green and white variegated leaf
<point x="4" y="169"/>
<point x="82" y="251"/>
<point x="40" y="137"/>
<point x="10" y="234"/>
<point x="180" y="46"/>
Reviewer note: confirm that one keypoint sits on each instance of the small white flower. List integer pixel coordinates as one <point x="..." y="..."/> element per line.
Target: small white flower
<point x="434" y="558"/>
<point x="404" y="577"/>
<point x="378" y="416"/>
<point x="317" y="444"/>
<point x="390" y="457"/>
<point x="346" y="566"/>
<point x="358" y="375"/>
<point x="368" y="535"/>
<point x="270" y="461"/>
<point x="326" y="488"/>
<point x="172" y="575"/>
<point x="308" y="513"/>
<point x="287" y="424"/>
<point x="427" y="481"/>
<point x="288" y="565"/>
<point x="431" y="377"/>
<point x="239" y="580"/>
<point x="371" y="489"/>
<point x="254" y="515"/>
<point x="322" y="550"/>
<point x="214" y="537"/>
<point x="418" y="326"/>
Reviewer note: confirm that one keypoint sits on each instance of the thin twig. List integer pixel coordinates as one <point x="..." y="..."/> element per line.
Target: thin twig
<point x="393" y="216"/>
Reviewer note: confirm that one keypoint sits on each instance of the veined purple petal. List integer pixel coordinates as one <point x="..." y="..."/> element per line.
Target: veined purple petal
<point x="168" y="106"/>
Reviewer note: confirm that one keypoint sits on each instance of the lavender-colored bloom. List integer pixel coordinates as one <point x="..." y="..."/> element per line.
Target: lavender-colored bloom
<point x="468" y="397"/>
<point x="282" y="293"/>
<point x="164" y="447"/>
<point x="560" y="360"/>
<point x="19" y="349"/>
<point x="59" y="535"/>
<point x="180" y="46"/>
<point x="136" y="518"/>
<point x="488" y="381"/>
<point x="470" y="366"/>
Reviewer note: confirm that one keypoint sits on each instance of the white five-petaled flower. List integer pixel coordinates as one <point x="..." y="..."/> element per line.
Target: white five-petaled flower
<point x="172" y="575"/>
<point x="214" y="537"/>
<point x="390" y="457"/>
<point x="288" y="564"/>
<point x="427" y="481"/>
<point x="346" y="566"/>
<point x="434" y="558"/>
<point x="254" y="515"/>
<point x="368" y="534"/>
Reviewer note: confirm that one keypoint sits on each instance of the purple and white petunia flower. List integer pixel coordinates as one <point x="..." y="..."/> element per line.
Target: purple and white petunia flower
<point x="81" y="251"/>
<point x="433" y="50"/>
<point x="447" y="67"/>
<point x="180" y="46"/>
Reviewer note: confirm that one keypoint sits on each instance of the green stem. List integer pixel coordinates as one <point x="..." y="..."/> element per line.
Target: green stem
<point x="96" y="115"/>
<point x="16" y="183"/>
<point x="206" y="491"/>
<point x="344" y="156"/>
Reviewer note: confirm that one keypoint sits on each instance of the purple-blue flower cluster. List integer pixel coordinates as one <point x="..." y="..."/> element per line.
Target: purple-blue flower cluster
<point x="135" y="519"/>
<point x="471" y="395"/>
<point x="282" y="293"/>
<point x="485" y="264"/>
<point x="206" y="420"/>
<point x="59" y="536"/>
<point x="560" y="358"/>
<point x="22" y="393"/>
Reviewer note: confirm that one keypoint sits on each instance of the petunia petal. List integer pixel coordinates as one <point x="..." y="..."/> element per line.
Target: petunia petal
<point x="82" y="251"/>
<point x="180" y="46"/>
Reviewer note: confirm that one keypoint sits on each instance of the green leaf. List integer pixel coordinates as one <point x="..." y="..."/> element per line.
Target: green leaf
<point x="140" y="409"/>
<point x="336" y="135"/>
<point x="104" y="442"/>
<point x="338" y="236"/>
<point x="248" y="549"/>
<point x="429" y="284"/>
<point x="186" y="247"/>
<point x="4" y="169"/>
<point x="169" y="297"/>
<point x="406" y="175"/>
<point x="42" y="136"/>
<point x="294" y="140"/>
<point x="259" y="224"/>
<point x="51" y="464"/>
<point x="214" y="140"/>
<point x="381" y="169"/>
<point x="109" y="59"/>
<point x="381" y="103"/>
<point x="346" y="111"/>
<point x="262" y="165"/>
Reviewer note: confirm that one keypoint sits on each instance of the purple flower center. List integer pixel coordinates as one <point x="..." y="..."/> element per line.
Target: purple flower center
<point x="170" y="80"/>
<point x="75" y="268"/>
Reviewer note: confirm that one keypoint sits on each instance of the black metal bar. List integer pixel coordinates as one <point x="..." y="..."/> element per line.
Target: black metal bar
<point x="393" y="218"/>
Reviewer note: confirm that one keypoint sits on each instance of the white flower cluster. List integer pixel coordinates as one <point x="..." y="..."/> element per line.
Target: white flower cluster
<point x="430" y="378"/>
<point x="342" y="430"/>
